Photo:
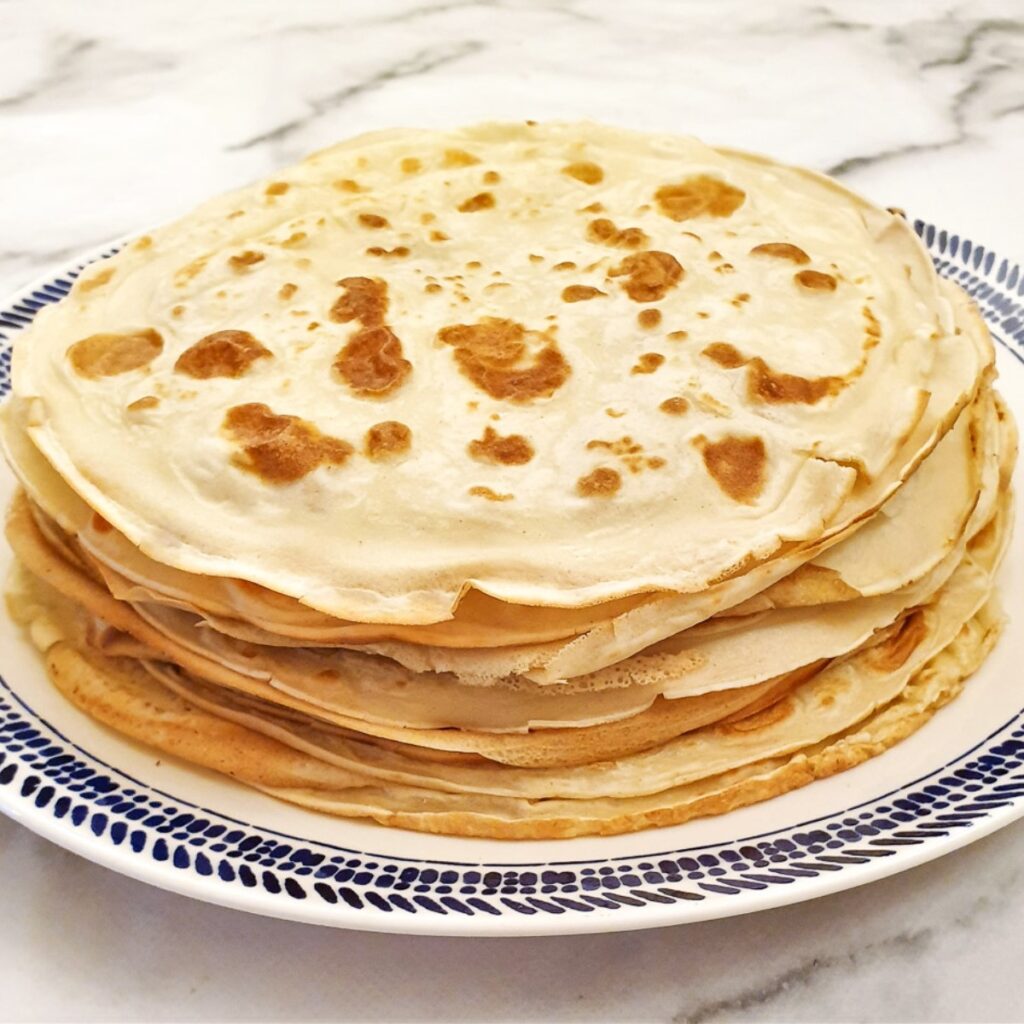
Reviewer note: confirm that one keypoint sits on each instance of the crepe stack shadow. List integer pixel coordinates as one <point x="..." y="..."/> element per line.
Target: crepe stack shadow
<point x="519" y="481"/>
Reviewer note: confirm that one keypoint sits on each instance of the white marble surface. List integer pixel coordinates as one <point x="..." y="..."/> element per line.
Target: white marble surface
<point x="116" y="115"/>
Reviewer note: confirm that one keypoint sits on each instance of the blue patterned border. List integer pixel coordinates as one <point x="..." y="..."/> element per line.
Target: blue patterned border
<point x="46" y="774"/>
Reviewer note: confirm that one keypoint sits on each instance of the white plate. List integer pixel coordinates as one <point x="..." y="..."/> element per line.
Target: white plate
<point x="154" y="818"/>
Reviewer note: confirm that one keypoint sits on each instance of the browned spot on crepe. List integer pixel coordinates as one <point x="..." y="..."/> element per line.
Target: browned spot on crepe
<point x="107" y="355"/>
<point x="767" y="385"/>
<point x="604" y="231"/>
<point x="629" y="452"/>
<point x="586" y="171"/>
<point x="581" y="293"/>
<point x="243" y="260"/>
<point x="141" y="404"/>
<point x="648" y="318"/>
<point x="277" y="188"/>
<point x="410" y="165"/>
<point x="387" y="440"/>
<point x="699" y="196"/>
<point x="495" y="355"/>
<point x="815" y="281"/>
<point x="674" y="406"/>
<point x="399" y="252"/>
<point x="601" y="483"/>
<point x="373" y="220"/>
<point x="486" y="492"/>
<point x="221" y="354"/>
<point x="280" y="449"/>
<point x="782" y="251"/>
<point x="510" y="450"/>
<point x="649" y="275"/>
<point x="365" y="299"/>
<point x="736" y="464"/>
<point x="96" y="280"/>
<point x="371" y="363"/>
<point x="459" y="158"/>
<point x="481" y="201"/>
<point x="648" y="362"/>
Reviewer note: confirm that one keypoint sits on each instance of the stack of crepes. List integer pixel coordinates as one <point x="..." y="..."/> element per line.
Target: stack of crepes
<point x="519" y="481"/>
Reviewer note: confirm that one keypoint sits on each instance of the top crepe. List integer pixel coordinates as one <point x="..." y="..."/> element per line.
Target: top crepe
<point x="559" y="364"/>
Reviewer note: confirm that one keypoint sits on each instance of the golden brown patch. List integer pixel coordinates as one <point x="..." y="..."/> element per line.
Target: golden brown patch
<point x="581" y="293"/>
<point x="438" y="236"/>
<point x="491" y="351"/>
<point x="221" y="354"/>
<point x="782" y="251"/>
<point x="277" y="188"/>
<point x="585" y="171"/>
<point x="674" y="406"/>
<point x="371" y="363"/>
<point x="678" y="335"/>
<point x="365" y="299"/>
<point x="736" y="464"/>
<point x="740" y="299"/>
<point x="481" y="201"/>
<point x="564" y="265"/>
<point x="605" y="232"/>
<point x="190" y="270"/>
<point x="399" y="252"/>
<point x="649" y="318"/>
<point x="99" y="524"/>
<point x="459" y="158"/>
<point x="873" y="328"/>
<point x="286" y="291"/>
<point x="648" y="362"/>
<point x="629" y="452"/>
<point x="347" y="185"/>
<point x="491" y="177"/>
<point x="107" y="355"/>
<point x="374" y="221"/>
<point x="280" y="449"/>
<point x="892" y="653"/>
<point x="176" y="311"/>
<point x="433" y="288"/>
<point x="144" y="242"/>
<point x="601" y="483"/>
<point x="146" y="402"/>
<point x="649" y="275"/>
<point x="486" y="492"/>
<point x="294" y="240"/>
<point x="96" y="280"/>
<point x="387" y="440"/>
<point x="243" y="260"/>
<point x="815" y="281"/>
<point x="511" y="450"/>
<point x="767" y="385"/>
<point x="699" y="196"/>
<point x="593" y="208"/>
<point x="410" y="165"/>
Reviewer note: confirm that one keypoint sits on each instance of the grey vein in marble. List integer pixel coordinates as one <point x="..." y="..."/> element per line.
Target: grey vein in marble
<point x="418" y="64"/>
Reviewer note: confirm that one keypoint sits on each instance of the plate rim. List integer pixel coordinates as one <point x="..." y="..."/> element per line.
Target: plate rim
<point x="990" y="280"/>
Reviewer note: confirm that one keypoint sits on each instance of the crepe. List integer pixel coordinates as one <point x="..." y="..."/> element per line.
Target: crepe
<point x="161" y="390"/>
<point x="518" y="481"/>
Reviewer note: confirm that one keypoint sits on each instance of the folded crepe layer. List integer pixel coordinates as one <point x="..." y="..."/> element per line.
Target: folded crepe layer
<point x="122" y="694"/>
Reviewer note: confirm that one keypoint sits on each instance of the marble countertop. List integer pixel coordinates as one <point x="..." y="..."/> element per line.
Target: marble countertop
<point x="115" y="116"/>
